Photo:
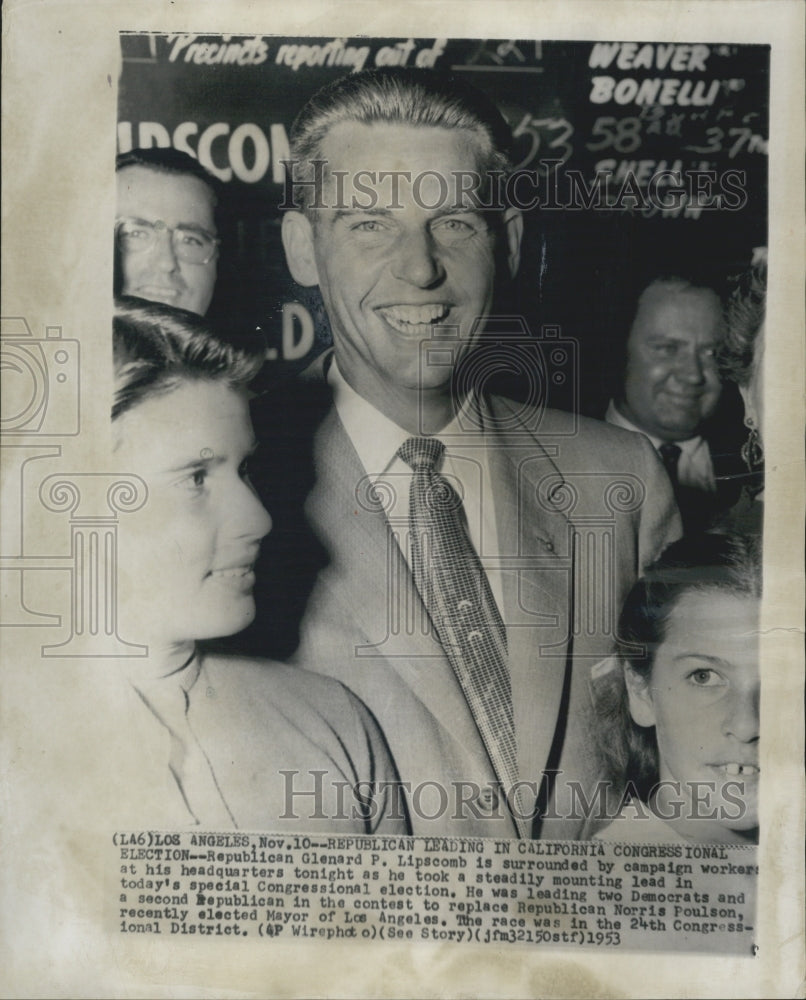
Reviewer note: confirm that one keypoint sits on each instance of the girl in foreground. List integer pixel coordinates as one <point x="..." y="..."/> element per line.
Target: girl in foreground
<point x="238" y="743"/>
<point x="679" y="713"/>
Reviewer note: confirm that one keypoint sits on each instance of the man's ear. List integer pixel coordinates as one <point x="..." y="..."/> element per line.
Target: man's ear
<point x="297" y="232"/>
<point x="640" y="698"/>
<point x="513" y="232"/>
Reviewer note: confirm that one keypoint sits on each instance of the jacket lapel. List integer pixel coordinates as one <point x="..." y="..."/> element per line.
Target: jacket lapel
<point x="369" y="578"/>
<point x="536" y="539"/>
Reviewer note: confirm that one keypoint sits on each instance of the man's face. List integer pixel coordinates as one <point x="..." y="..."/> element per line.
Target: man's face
<point x="420" y="261"/>
<point x="671" y="384"/>
<point x="156" y="273"/>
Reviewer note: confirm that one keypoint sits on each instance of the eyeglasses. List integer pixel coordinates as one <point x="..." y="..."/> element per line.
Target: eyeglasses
<point x="190" y="244"/>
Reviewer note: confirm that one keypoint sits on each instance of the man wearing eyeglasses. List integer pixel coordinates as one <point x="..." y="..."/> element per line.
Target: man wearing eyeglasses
<point x="166" y="241"/>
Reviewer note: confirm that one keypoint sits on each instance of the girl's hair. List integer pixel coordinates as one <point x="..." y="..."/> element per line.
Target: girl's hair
<point x="706" y="563"/>
<point x="156" y="347"/>
<point x="744" y="319"/>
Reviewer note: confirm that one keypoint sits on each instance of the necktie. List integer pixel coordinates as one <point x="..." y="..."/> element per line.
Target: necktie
<point x="187" y="760"/>
<point x="696" y="506"/>
<point x="457" y="595"/>
<point x="670" y="456"/>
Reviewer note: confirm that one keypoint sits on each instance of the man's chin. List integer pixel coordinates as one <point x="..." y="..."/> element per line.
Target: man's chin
<point x="678" y="430"/>
<point x="680" y="424"/>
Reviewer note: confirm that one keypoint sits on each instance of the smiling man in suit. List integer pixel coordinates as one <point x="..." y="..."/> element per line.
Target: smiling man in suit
<point x="478" y="548"/>
<point x="670" y="387"/>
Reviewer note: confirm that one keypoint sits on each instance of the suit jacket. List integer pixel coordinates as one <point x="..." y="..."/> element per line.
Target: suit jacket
<point x="580" y="508"/>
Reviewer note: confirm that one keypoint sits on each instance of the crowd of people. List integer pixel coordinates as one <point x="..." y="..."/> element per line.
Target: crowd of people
<point x="520" y="622"/>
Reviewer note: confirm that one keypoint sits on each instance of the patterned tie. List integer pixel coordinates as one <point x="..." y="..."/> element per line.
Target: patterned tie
<point x="457" y="595"/>
<point x="670" y="456"/>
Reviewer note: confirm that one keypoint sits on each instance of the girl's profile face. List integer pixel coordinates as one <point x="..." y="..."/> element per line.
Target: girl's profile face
<point x="702" y="698"/>
<point x="187" y="557"/>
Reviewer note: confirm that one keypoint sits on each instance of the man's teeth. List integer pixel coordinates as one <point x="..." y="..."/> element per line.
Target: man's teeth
<point x="734" y="770"/>
<point x="430" y="313"/>
<point x="235" y="571"/>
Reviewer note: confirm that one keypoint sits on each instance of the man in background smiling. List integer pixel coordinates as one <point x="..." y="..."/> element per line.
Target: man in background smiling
<point x="166" y="240"/>
<point x="452" y="583"/>
<point x="671" y="384"/>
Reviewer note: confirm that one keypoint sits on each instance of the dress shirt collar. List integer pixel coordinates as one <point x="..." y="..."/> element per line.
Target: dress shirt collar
<point x="614" y="416"/>
<point x="375" y="437"/>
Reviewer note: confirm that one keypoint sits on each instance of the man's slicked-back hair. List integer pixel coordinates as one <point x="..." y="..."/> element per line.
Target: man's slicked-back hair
<point x="419" y="98"/>
<point x="156" y="347"/>
<point x="167" y="160"/>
